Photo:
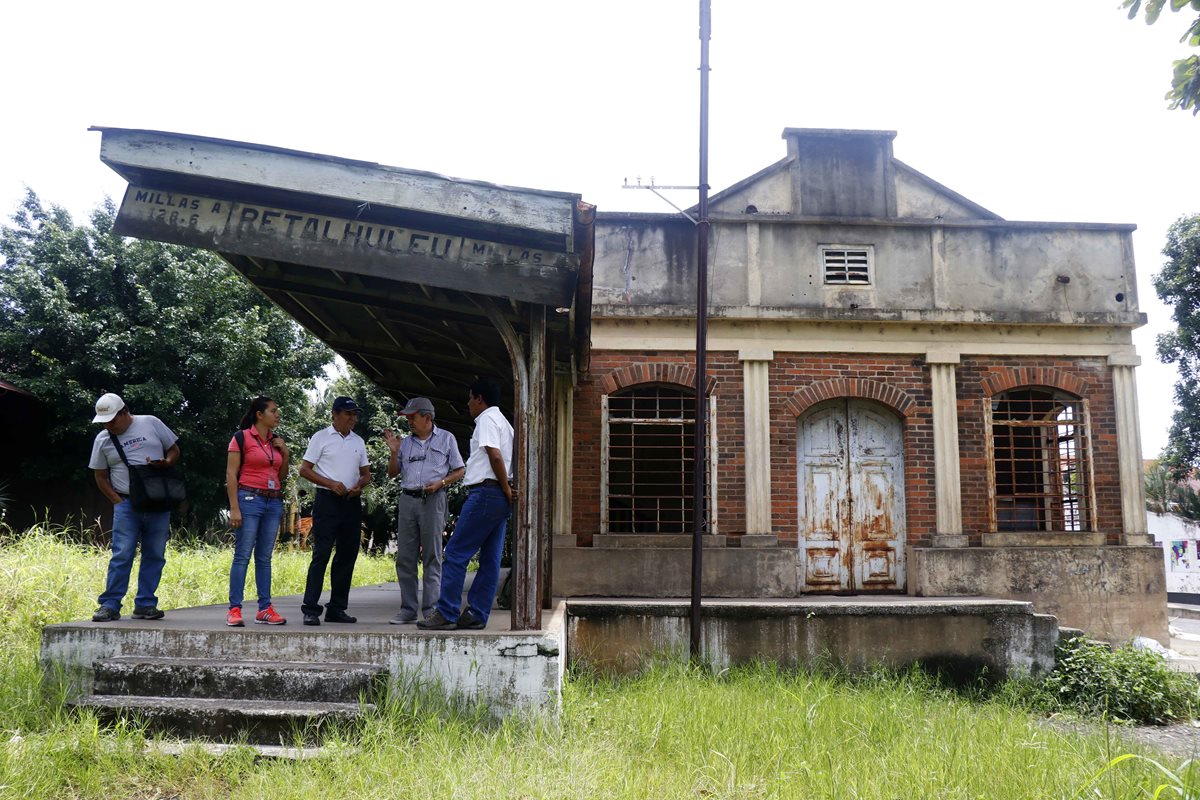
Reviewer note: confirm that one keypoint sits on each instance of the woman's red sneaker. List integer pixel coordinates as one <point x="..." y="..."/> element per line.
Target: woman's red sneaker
<point x="268" y="617"/>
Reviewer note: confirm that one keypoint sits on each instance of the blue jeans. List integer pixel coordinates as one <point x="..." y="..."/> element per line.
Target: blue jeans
<point x="260" y="525"/>
<point x="150" y="529"/>
<point x="480" y="529"/>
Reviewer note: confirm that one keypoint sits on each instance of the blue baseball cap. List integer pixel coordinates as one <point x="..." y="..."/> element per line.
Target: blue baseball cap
<point x="344" y="404"/>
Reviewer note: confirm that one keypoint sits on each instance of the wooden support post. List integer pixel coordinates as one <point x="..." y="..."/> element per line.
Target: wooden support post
<point x="527" y="550"/>
<point x="529" y="414"/>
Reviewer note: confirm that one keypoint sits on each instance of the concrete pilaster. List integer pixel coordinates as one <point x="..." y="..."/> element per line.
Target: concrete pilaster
<point x="947" y="481"/>
<point x="564" y="413"/>
<point x="757" y="438"/>
<point x="753" y="266"/>
<point x="1129" y="450"/>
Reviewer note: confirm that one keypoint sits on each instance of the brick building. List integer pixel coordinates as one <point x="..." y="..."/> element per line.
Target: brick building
<point x="907" y="394"/>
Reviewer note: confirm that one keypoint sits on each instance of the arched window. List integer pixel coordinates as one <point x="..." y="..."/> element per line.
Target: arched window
<point x="648" y="466"/>
<point x="1040" y="452"/>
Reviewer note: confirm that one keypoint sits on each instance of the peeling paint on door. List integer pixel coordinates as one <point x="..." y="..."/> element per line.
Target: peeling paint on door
<point x="851" y="498"/>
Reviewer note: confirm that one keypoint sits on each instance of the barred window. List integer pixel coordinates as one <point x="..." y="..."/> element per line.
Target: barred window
<point x="1041" y="461"/>
<point x="847" y="265"/>
<point x="649" y="467"/>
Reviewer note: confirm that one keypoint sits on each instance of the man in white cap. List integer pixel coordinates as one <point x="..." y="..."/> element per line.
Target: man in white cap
<point x="428" y="461"/>
<point x="145" y="440"/>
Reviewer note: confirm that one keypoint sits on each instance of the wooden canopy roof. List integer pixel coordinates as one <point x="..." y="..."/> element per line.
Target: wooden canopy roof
<point x="401" y="272"/>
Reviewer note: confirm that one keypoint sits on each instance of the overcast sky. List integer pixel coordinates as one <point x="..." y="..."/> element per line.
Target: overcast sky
<point x="1035" y="109"/>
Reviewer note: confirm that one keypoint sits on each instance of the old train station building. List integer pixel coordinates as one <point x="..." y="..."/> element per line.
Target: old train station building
<point x="908" y="395"/>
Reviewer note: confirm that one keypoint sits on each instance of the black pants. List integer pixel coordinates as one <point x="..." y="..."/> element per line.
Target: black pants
<point x="336" y="529"/>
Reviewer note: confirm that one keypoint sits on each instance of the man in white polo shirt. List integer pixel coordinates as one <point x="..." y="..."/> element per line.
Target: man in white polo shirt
<point x="336" y="463"/>
<point x="483" y="520"/>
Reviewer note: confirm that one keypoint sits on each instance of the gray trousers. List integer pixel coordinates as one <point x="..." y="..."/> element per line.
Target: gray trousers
<point x="420" y="522"/>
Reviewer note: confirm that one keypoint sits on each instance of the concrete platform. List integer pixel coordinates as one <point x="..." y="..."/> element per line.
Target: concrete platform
<point x="508" y="670"/>
<point x="523" y="671"/>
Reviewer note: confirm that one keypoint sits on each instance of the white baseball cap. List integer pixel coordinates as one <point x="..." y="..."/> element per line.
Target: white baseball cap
<point x="107" y="407"/>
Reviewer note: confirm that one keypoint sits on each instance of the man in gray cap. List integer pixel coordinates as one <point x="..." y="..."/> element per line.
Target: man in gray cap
<point x="428" y="461"/>
<point x="142" y="439"/>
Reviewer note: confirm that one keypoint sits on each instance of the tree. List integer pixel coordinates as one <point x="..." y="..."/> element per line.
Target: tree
<point x="1178" y="285"/>
<point x="1160" y="488"/>
<point x="1185" y="80"/>
<point x="175" y="331"/>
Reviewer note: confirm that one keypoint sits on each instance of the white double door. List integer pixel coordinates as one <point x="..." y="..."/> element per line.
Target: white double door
<point x="851" y="506"/>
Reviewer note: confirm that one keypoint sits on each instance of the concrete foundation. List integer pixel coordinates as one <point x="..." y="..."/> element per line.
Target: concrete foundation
<point x="1114" y="593"/>
<point x="960" y="637"/>
<point x="508" y="670"/>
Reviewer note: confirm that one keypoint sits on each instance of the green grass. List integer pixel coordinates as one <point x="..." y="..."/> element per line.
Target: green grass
<point x="672" y="732"/>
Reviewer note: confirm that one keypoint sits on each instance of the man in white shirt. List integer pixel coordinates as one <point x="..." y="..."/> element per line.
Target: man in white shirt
<point x="336" y="463"/>
<point x="483" y="520"/>
<point x="145" y="440"/>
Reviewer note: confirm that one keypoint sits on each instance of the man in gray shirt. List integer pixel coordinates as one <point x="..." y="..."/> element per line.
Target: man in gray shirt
<point x="145" y="440"/>
<point x="428" y="460"/>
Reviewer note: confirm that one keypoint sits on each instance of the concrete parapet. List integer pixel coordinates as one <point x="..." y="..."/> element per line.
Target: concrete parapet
<point x="961" y="637"/>
<point x="1113" y="593"/>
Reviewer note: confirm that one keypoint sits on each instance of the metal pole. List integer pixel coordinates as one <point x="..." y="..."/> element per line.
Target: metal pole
<point x="700" y="452"/>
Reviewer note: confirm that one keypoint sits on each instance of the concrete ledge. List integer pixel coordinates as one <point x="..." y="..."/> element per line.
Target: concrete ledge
<point x="951" y="540"/>
<point x="758" y="540"/>
<point x="654" y="540"/>
<point x="961" y="637"/>
<point x="667" y="572"/>
<point x="1113" y="593"/>
<point x="1043" y="539"/>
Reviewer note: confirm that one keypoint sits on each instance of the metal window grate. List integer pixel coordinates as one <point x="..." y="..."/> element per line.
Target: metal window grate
<point x="849" y="266"/>
<point x="1041" y="470"/>
<point x="649" y="464"/>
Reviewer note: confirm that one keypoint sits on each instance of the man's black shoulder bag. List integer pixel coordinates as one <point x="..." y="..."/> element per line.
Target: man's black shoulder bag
<point x="152" y="489"/>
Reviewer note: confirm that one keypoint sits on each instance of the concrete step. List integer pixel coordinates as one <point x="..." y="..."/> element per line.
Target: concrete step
<point x="220" y="719"/>
<point x="238" y="680"/>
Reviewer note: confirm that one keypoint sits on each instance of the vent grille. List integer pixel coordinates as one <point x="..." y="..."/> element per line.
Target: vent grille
<point x="847" y="265"/>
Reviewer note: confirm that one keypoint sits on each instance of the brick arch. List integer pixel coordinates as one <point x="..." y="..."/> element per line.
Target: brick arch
<point x="1012" y="378"/>
<point x="809" y="396"/>
<point x="636" y="374"/>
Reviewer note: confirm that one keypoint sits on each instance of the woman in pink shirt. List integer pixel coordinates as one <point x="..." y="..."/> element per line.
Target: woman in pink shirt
<point x="254" y="474"/>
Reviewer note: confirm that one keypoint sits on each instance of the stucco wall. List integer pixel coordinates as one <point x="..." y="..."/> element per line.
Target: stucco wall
<point x="999" y="271"/>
